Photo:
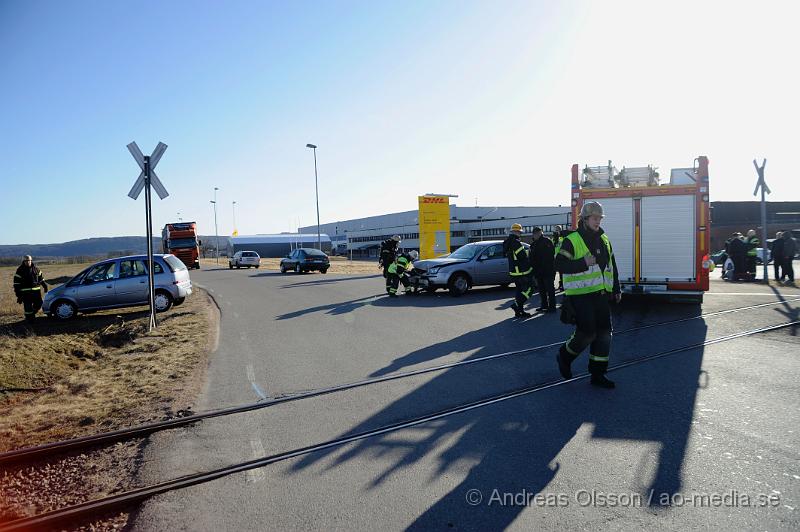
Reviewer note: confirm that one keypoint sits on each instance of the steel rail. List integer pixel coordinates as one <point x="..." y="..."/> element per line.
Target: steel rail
<point x="105" y="504"/>
<point x="30" y="453"/>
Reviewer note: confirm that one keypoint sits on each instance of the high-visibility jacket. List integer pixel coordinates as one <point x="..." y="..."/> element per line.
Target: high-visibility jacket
<point x="753" y="241"/>
<point x="595" y="278"/>
<point x="399" y="265"/>
<point x="519" y="258"/>
<point x="27" y="279"/>
<point x="557" y="240"/>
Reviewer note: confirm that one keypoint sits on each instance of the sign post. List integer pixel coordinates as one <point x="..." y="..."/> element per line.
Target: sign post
<point x="148" y="178"/>
<point x="764" y="190"/>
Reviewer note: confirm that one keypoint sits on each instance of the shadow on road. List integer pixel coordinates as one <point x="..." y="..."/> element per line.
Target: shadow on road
<point x="518" y="446"/>
<point x="327" y="280"/>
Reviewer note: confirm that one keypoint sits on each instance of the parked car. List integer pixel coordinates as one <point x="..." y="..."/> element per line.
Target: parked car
<point x="761" y="253"/>
<point x="118" y="283"/>
<point x="304" y="260"/>
<point x="247" y="259"/>
<point x="475" y="264"/>
<point x="720" y="256"/>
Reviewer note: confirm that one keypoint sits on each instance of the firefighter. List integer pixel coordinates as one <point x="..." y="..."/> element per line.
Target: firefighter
<point x="519" y="266"/>
<point x="544" y="270"/>
<point x="752" y="243"/>
<point x="559" y="234"/>
<point x="388" y="254"/>
<point x="396" y="273"/>
<point x="28" y="285"/>
<point x="590" y="280"/>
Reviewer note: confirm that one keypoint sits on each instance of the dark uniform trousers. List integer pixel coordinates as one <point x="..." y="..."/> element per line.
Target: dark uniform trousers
<point x="524" y="286"/>
<point x="593" y="329"/>
<point x="31" y="303"/>
<point x="393" y="282"/>
<point x="547" y="289"/>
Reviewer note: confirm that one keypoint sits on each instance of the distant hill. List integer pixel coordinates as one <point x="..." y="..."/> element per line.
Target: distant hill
<point x="91" y="247"/>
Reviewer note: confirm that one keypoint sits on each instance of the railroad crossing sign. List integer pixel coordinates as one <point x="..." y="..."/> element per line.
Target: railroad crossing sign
<point x="154" y="180"/>
<point x="147" y="178"/>
<point x="761" y="184"/>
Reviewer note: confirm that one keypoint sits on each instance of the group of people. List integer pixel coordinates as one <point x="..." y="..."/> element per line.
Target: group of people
<point x="742" y="252"/>
<point x="397" y="267"/>
<point x="585" y="262"/>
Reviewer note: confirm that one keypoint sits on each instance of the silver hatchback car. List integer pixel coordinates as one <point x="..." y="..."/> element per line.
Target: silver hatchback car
<point x="118" y="283"/>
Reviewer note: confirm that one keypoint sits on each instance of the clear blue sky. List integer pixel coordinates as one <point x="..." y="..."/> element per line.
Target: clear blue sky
<point x="488" y="100"/>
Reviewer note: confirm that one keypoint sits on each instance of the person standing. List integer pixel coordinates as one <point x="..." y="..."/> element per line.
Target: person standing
<point x="751" y="242"/>
<point x="28" y="285"/>
<point x="388" y="254"/>
<point x="590" y="281"/>
<point x="519" y="267"/>
<point x="789" y="250"/>
<point x="777" y="256"/>
<point x="558" y="237"/>
<point x="542" y="253"/>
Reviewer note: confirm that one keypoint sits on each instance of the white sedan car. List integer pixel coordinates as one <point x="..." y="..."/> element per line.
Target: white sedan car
<point x="244" y="259"/>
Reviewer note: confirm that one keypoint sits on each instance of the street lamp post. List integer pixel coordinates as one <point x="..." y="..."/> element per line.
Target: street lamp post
<point x="481" y="219"/>
<point x="235" y="231"/>
<point x="216" y="231"/>
<point x="316" y="188"/>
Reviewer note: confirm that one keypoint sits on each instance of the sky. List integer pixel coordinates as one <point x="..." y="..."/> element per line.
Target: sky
<point x="490" y="101"/>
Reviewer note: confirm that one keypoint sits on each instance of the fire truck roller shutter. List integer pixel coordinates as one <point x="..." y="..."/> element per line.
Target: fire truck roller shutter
<point x="618" y="225"/>
<point x="669" y="238"/>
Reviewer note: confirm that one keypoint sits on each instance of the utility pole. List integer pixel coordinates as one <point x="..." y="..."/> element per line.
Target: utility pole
<point x="316" y="188"/>
<point x="764" y="190"/>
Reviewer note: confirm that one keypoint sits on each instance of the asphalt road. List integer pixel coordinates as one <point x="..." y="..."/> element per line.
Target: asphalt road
<point x="707" y="438"/>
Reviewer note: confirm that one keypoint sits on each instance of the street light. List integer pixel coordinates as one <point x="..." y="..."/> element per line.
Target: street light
<point x="235" y="232"/>
<point x="216" y="232"/>
<point x="316" y="187"/>
<point x="481" y="219"/>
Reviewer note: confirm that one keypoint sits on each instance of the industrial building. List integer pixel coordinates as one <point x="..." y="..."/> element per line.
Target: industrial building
<point x="363" y="236"/>
<point x="277" y="245"/>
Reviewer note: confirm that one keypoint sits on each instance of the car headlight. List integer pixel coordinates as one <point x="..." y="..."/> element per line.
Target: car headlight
<point x="434" y="271"/>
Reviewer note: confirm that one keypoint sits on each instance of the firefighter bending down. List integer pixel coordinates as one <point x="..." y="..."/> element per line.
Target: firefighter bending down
<point x="28" y="284"/>
<point x="397" y="272"/>
<point x="590" y="280"/>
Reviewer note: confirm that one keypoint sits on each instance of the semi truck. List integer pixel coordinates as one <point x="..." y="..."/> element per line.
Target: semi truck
<point x="180" y="239"/>
<point x="660" y="231"/>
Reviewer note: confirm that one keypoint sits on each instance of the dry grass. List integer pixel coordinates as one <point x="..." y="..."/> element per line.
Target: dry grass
<point x="96" y="372"/>
<point x="338" y="265"/>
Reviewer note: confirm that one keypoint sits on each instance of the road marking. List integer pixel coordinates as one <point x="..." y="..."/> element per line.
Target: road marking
<point x="251" y="376"/>
<point x="778" y="295"/>
<point x="257" y="450"/>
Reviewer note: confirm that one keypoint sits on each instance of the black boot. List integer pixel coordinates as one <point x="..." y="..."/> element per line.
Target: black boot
<point x="600" y="380"/>
<point x="564" y="360"/>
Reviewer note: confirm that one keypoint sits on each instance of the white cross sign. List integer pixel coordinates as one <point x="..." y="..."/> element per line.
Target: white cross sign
<point x="154" y="180"/>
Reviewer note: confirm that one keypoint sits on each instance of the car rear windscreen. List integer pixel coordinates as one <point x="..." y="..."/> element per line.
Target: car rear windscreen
<point x="314" y="253"/>
<point x="249" y="254"/>
<point x="174" y="263"/>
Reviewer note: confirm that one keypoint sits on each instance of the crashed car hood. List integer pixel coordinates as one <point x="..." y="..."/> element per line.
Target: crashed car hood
<point x="430" y="263"/>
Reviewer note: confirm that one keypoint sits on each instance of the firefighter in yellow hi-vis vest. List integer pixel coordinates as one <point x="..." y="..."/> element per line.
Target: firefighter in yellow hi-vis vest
<point x="590" y="281"/>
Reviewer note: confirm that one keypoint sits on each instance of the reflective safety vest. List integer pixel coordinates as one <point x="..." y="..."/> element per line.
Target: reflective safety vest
<point x="753" y="240"/>
<point x="592" y="280"/>
<point x="400" y="264"/>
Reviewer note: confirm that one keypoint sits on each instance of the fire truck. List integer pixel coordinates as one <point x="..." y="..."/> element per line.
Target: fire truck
<point x="660" y="231"/>
<point x="180" y="239"/>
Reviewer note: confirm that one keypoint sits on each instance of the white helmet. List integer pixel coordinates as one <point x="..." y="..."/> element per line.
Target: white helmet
<point x="414" y="255"/>
<point x="591" y="208"/>
<point x="396" y="238"/>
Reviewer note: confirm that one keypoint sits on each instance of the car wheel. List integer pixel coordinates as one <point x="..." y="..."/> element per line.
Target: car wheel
<point x="179" y="301"/>
<point x="163" y="301"/>
<point x="283" y="268"/>
<point x="238" y="266"/>
<point x="257" y="266"/>
<point x="324" y="270"/>
<point x="458" y="284"/>
<point x="63" y="310"/>
<point x="297" y="269"/>
<point x="230" y="266"/>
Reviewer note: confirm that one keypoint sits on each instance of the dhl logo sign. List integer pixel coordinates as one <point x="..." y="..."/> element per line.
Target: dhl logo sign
<point x="429" y="199"/>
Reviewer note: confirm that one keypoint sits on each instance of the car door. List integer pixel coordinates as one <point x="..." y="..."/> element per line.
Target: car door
<point x="492" y="266"/>
<point x="98" y="286"/>
<point x="131" y="284"/>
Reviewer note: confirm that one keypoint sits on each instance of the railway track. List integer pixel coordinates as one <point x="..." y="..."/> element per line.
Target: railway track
<point x="50" y="449"/>
<point x="113" y="502"/>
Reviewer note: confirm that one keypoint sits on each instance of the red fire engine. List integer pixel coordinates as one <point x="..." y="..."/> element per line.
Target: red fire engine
<point x="660" y="232"/>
